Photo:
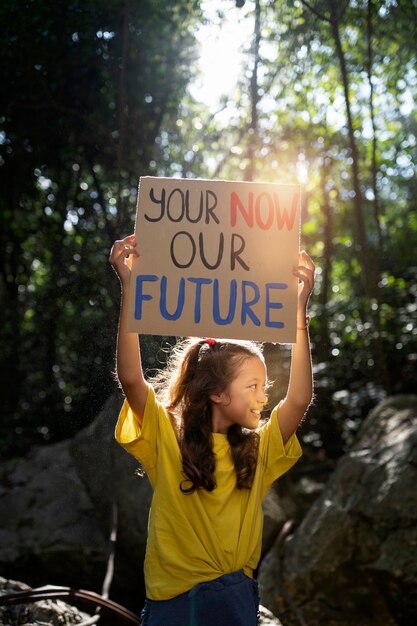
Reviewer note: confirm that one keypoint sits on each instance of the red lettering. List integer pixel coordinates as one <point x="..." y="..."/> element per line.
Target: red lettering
<point x="237" y="204"/>
<point x="270" y="217"/>
<point x="267" y="208"/>
<point x="283" y="219"/>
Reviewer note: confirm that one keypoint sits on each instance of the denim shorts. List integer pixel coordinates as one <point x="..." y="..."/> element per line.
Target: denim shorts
<point x="231" y="600"/>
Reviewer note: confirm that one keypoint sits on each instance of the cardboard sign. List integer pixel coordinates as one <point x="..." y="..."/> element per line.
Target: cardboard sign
<point x="216" y="259"/>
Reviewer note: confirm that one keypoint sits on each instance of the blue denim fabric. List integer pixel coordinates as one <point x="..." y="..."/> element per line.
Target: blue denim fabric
<point x="231" y="600"/>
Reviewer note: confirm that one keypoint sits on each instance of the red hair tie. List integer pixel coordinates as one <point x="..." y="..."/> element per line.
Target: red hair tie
<point x="210" y="342"/>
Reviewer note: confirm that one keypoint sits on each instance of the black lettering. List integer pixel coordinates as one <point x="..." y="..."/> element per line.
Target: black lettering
<point x="182" y="207"/>
<point x="188" y="210"/>
<point x="210" y="209"/>
<point x="156" y="201"/>
<point x="174" y="258"/>
<point x="235" y="253"/>
<point x="219" y="255"/>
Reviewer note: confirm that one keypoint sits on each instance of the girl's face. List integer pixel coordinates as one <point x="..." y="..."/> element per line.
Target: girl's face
<point x="242" y="401"/>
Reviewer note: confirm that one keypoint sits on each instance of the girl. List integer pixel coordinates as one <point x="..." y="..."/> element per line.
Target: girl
<point x="209" y="462"/>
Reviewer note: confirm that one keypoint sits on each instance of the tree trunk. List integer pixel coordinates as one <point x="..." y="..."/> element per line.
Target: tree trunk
<point x="254" y="96"/>
<point x="369" y="280"/>
<point x="323" y="345"/>
<point x="123" y="114"/>
<point x="374" y="167"/>
<point x="369" y="266"/>
<point x="11" y="251"/>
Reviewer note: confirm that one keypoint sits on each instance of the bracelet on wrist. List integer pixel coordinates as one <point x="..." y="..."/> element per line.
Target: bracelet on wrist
<point x="308" y="318"/>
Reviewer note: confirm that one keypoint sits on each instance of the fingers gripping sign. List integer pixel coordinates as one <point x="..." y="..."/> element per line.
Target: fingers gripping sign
<point x="305" y="274"/>
<point x="121" y="256"/>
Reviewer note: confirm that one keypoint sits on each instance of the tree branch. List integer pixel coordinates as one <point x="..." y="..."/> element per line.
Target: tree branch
<point x="316" y="13"/>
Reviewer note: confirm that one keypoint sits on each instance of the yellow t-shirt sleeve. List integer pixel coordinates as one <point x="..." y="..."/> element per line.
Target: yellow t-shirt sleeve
<point x="276" y="457"/>
<point x="141" y="442"/>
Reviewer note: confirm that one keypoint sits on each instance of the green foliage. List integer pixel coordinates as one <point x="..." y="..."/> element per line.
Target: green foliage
<point x="364" y="332"/>
<point x="97" y="96"/>
<point x="91" y="86"/>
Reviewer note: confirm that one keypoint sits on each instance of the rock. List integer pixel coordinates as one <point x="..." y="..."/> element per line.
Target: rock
<point x="47" y="518"/>
<point x="267" y="618"/>
<point x="291" y="496"/>
<point x="274" y="518"/>
<point x="353" y="559"/>
<point x="45" y="612"/>
<point x="56" y="509"/>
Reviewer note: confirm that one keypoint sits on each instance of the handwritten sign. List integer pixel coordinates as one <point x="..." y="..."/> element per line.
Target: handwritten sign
<point x="216" y="259"/>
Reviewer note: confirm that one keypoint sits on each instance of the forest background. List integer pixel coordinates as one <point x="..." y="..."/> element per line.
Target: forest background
<point x="96" y="94"/>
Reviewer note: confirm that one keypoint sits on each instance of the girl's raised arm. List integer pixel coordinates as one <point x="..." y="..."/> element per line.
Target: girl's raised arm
<point x="128" y="361"/>
<point x="300" y="386"/>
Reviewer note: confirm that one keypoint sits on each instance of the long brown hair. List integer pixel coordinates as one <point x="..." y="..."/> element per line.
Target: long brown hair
<point x="197" y="369"/>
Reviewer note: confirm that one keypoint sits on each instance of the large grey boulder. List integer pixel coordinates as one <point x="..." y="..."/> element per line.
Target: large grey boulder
<point x="57" y="507"/>
<point x="353" y="559"/>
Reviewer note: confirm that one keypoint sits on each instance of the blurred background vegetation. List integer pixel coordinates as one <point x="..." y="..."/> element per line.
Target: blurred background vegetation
<point x="95" y="94"/>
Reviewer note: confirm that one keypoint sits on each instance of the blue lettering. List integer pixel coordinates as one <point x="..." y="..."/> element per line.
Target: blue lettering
<point x="247" y="304"/>
<point x="180" y="301"/>
<point x="273" y="305"/>
<point x="252" y="307"/>
<point x="197" y="305"/>
<point x="232" y="303"/>
<point x="140" y="296"/>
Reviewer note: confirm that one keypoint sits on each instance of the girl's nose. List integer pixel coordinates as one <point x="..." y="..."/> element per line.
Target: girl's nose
<point x="262" y="397"/>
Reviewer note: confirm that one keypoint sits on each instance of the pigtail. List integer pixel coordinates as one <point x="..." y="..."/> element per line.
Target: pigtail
<point x="186" y="369"/>
<point x="198" y="458"/>
<point x="195" y="438"/>
<point x="244" y="447"/>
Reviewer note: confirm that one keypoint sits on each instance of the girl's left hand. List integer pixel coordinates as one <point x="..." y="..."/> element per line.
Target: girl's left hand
<point x="121" y="256"/>
<point x="305" y="275"/>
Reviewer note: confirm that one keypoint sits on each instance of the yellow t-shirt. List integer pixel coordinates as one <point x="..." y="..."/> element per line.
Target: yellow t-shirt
<point x="199" y="537"/>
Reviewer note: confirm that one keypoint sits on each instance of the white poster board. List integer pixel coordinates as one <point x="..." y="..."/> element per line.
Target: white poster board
<point x="216" y="259"/>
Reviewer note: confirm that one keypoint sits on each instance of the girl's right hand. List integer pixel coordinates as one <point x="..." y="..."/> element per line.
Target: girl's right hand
<point x="121" y="257"/>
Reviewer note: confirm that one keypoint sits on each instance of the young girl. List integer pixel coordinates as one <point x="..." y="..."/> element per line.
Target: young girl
<point x="209" y="461"/>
